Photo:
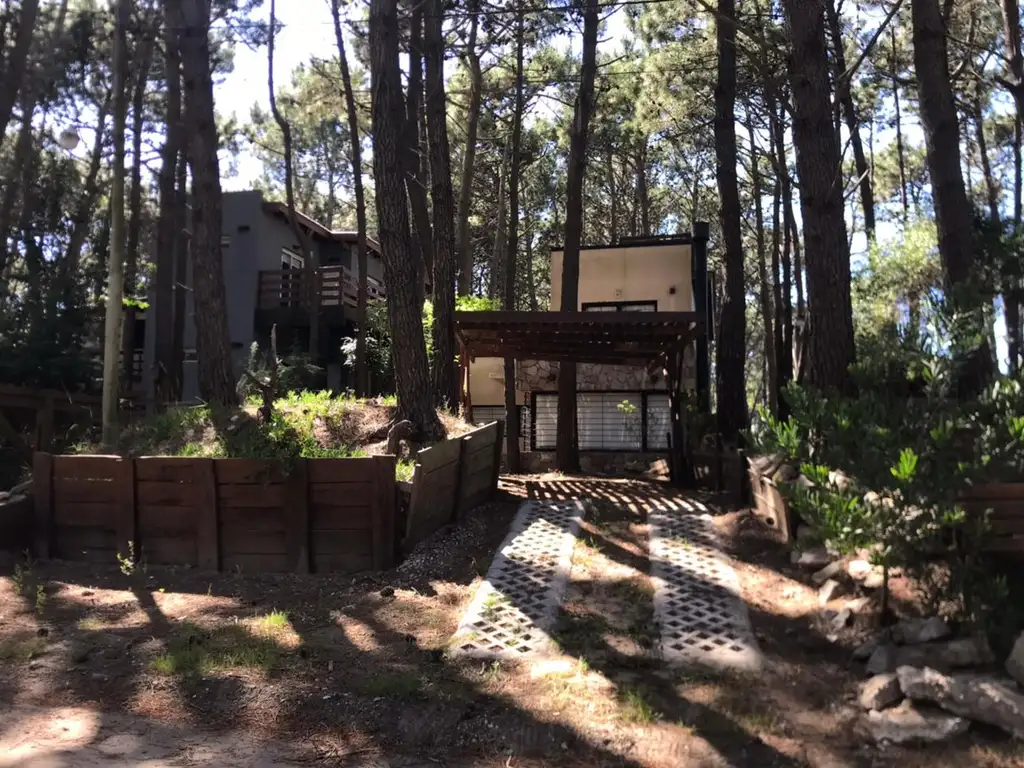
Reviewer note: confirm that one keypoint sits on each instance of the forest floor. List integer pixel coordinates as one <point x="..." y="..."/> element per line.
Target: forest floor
<point x="185" y="667"/>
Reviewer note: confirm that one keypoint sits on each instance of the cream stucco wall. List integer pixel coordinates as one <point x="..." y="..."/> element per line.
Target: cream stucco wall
<point x="635" y="273"/>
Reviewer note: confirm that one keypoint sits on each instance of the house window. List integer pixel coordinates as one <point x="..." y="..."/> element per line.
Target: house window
<point x="606" y="421"/>
<point x="620" y="306"/>
<point x="291" y="277"/>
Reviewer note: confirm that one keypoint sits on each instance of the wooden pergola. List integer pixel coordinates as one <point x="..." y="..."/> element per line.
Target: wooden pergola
<point x="645" y="339"/>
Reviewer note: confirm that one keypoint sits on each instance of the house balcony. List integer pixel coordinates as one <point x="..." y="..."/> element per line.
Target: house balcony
<point x="289" y="295"/>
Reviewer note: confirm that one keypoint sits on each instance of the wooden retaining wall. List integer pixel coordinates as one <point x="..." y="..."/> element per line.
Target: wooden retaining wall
<point x="721" y="471"/>
<point x="1005" y="505"/>
<point x="319" y="515"/>
<point x="451" y="478"/>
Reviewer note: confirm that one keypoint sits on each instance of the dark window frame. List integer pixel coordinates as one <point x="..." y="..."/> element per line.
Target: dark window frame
<point x="619" y="305"/>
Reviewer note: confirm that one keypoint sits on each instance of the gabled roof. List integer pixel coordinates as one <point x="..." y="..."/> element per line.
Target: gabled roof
<point x="317" y="229"/>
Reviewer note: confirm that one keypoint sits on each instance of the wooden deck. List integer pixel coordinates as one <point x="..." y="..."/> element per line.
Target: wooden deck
<point x="295" y="289"/>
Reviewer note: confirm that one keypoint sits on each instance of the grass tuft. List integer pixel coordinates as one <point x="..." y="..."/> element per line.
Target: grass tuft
<point x="635" y="708"/>
<point x="193" y="652"/>
<point x="22" y="650"/>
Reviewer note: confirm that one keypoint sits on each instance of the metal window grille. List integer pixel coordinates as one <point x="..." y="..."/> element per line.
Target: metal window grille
<point x="606" y="421"/>
<point x="485" y="414"/>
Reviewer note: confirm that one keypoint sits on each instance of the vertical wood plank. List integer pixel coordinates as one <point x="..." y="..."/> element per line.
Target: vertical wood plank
<point x="498" y="443"/>
<point x="415" y="498"/>
<point x="207" y="515"/>
<point x="384" y="512"/>
<point x="124" y="489"/>
<point x="457" y="488"/>
<point x="296" y="517"/>
<point x="42" y="490"/>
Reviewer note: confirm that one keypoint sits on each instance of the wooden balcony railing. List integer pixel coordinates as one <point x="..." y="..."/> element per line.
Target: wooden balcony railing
<point x="335" y="286"/>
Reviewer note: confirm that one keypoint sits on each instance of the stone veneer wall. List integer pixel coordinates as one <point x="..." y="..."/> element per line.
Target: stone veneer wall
<point x="542" y="376"/>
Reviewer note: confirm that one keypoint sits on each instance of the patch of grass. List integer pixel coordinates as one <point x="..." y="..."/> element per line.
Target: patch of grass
<point x="22" y="650"/>
<point x="394" y="685"/>
<point x="388" y="401"/>
<point x="194" y="652"/>
<point x="404" y="470"/>
<point x="749" y="710"/>
<point x="635" y="708"/>
<point x="91" y="624"/>
<point x="580" y="631"/>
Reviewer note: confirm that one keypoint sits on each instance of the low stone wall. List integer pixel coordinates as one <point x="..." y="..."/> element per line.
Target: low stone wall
<point x="542" y="376"/>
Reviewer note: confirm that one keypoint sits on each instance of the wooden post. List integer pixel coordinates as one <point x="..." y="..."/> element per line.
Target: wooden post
<point x="207" y="515"/>
<point x="497" y="456"/>
<point x="124" y="488"/>
<point x="296" y="517"/>
<point x="384" y="512"/>
<point x="466" y="396"/>
<point x="42" y="490"/>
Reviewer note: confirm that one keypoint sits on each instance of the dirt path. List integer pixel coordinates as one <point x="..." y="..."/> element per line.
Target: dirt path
<point x="38" y="737"/>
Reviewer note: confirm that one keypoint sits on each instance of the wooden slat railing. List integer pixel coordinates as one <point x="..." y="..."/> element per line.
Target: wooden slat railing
<point x="337" y="286"/>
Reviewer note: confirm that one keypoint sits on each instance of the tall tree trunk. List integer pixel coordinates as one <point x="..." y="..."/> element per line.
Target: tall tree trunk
<point x="766" y="287"/>
<point x="496" y="277"/>
<point x="362" y="370"/>
<point x="845" y="98"/>
<point x="444" y="379"/>
<point x="16" y="62"/>
<point x="87" y="202"/>
<point x="531" y="278"/>
<point x="144" y="51"/>
<point x="167" y="376"/>
<point x="830" y="345"/>
<point x="213" y="345"/>
<point x="476" y="83"/>
<point x="182" y="259"/>
<point x="613" y="200"/>
<point x="511" y="413"/>
<point x="115" y="275"/>
<point x="900" y="154"/>
<point x="566" y="450"/>
<point x="412" y="380"/>
<point x="731" y="347"/>
<point x="643" y="200"/>
<point x="952" y="209"/>
<point x="1015" y="65"/>
<point x="310" y="268"/>
<point x="991" y="191"/>
<point x="415" y="178"/>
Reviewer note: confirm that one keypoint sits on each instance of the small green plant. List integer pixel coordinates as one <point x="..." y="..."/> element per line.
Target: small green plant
<point x="19" y="577"/>
<point x="128" y="563"/>
<point x="404" y="471"/>
<point x="40" y="598"/>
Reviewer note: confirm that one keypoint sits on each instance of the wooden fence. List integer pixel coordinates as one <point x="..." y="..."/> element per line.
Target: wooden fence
<point x="320" y="515"/>
<point x="451" y="478"/>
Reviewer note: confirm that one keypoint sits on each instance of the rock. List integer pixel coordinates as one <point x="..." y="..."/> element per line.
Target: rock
<point x="841" y="620"/>
<point x="914" y="631"/>
<point x="874" y="580"/>
<point x="979" y="698"/>
<point x="880" y="692"/>
<point x="813" y="559"/>
<point x="907" y="723"/>
<point x="882" y="660"/>
<point x="805" y="534"/>
<point x="829" y="590"/>
<point x="1015" y="661"/>
<point x="859" y="604"/>
<point x="953" y="654"/>
<point x="794" y="556"/>
<point x="786" y="473"/>
<point x="839" y="479"/>
<point x="766" y="464"/>
<point x="859" y="570"/>
<point x="863" y="651"/>
<point x="826" y="573"/>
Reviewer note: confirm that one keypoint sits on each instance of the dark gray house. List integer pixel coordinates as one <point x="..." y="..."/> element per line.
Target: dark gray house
<point x="266" y="285"/>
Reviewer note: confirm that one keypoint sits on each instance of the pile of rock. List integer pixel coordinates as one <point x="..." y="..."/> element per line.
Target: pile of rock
<point x="915" y="696"/>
